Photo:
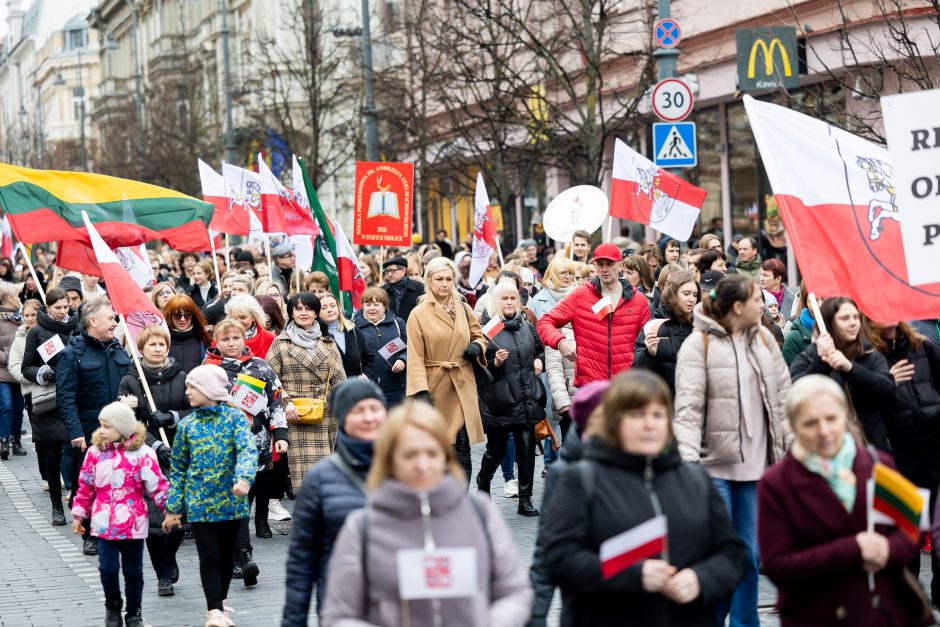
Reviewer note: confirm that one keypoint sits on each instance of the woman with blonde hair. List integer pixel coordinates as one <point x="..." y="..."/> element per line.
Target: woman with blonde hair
<point x="358" y="361"/>
<point x="444" y="341"/>
<point x="161" y="294"/>
<point x="247" y="311"/>
<point x="267" y="287"/>
<point x="370" y="270"/>
<point x="417" y="484"/>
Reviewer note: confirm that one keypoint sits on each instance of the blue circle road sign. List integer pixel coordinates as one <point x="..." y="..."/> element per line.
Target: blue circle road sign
<point x="667" y="33"/>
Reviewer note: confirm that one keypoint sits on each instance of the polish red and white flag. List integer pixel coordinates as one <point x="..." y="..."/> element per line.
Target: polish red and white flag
<point x="280" y="211"/>
<point x="484" y="233"/>
<point x="645" y="193"/>
<point x="603" y="308"/>
<point x="226" y="217"/>
<point x="633" y="545"/>
<point x="492" y="328"/>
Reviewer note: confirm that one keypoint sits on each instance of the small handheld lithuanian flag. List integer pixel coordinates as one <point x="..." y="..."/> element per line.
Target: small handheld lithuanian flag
<point x="898" y="499"/>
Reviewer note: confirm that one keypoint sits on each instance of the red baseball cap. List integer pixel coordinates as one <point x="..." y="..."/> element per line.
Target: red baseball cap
<point x="607" y="251"/>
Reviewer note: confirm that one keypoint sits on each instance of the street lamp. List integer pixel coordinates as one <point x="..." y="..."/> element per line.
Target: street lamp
<point x="368" y="112"/>
<point x="230" y="147"/>
<point x="81" y="114"/>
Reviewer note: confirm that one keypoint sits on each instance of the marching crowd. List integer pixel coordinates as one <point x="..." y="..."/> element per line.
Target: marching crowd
<point x="660" y="382"/>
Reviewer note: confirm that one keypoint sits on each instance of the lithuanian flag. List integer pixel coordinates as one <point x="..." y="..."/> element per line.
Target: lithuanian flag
<point x="898" y="499"/>
<point x="47" y="205"/>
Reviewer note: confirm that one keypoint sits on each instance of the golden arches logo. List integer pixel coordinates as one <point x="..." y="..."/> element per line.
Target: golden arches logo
<point x="768" y="51"/>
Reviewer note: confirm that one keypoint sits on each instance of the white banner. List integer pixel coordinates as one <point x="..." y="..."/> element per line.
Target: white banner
<point x="439" y="574"/>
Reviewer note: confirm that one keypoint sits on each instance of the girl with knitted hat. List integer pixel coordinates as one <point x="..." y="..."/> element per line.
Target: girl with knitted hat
<point x="117" y="471"/>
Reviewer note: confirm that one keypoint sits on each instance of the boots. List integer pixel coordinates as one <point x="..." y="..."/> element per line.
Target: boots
<point x="134" y="619"/>
<point x="262" y="528"/>
<point x="525" y="459"/>
<point x="525" y="507"/>
<point x="250" y="570"/>
<point x="4" y="448"/>
<point x="58" y="515"/>
<point x="18" y="449"/>
<point x="488" y="467"/>
<point x="112" y="618"/>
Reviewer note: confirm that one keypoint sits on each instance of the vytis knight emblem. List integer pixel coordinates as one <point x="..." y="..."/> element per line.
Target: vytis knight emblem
<point x="649" y="181"/>
<point x="881" y="183"/>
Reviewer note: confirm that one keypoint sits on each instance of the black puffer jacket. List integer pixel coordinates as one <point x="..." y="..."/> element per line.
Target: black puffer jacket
<point x="516" y="397"/>
<point x="196" y="294"/>
<point x="701" y="537"/>
<point x="168" y="388"/>
<point x="326" y="497"/>
<point x="47" y="427"/>
<point x="187" y="349"/>
<point x="913" y="418"/>
<point x="376" y="337"/>
<point x="672" y="333"/>
<point x="869" y="385"/>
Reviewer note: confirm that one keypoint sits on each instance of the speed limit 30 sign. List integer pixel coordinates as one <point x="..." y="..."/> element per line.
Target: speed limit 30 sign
<point x="671" y="100"/>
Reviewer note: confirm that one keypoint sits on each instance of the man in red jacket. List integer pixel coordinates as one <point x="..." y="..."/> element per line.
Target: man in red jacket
<point x="606" y="316"/>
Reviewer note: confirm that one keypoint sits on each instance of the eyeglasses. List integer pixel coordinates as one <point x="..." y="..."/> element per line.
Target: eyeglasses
<point x="182" y="315"/>
<point x="165" y="293"/>
<point x="288" y="255"/>
<point x="394" y="269"/>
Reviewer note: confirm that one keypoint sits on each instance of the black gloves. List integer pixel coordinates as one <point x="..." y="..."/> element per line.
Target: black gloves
<point x="164" y="454"/>
<point x="163" y="419"/>
<point x="473" y="351"/>
<point x="423" y="397"/>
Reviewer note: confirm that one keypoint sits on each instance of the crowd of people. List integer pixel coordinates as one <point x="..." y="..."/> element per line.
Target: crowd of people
<point x="656" y="380"/>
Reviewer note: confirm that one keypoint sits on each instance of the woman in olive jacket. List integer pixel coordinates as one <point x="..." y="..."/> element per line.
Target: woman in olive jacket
<point x="631" y="473"/>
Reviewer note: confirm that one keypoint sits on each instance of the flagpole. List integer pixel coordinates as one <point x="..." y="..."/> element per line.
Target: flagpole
<point x="610" y="225"/>
<point x="228" y="248"/>
<point x="140" y="373"/>
<point x="32" y="271"/>
<point x="267" y="238"/>
<point x="814" y="309"/>
<point x="215" y="260"/>
<point x="499" y="251"/>
<point x="870" y="493"/>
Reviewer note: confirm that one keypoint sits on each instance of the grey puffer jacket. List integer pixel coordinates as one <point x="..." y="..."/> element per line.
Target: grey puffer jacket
<point x="10" y="322"/>
<point x="355" y="598"/>
<point x="707" y="395"/>
<point x="560" y="371"/>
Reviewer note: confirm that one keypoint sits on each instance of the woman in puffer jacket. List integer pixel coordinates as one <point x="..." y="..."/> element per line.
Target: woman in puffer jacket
<point x="515" y="401"/>
<point x="657" y="345"/>
<point x="379" y="326"/>
<point x="731" y="380"/>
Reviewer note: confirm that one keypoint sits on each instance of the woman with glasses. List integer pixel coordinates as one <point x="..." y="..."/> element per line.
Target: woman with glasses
<point x="161" y="294"/>
<point x="189" y="334"/>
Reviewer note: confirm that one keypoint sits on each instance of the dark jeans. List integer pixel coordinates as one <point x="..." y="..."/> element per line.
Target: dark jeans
<point x="509" y="459"/>
<point x="162" y="550"/>
<point x="115" y="555"/>
<point x="462" y="451"/>
<point x="496" y="444"/>
<point x="260" y="493"/>
<point x="215" y="544"/>
<point x="50" y="459"/>
<point x="68" y="466"/>
<point x="11" y="410"/>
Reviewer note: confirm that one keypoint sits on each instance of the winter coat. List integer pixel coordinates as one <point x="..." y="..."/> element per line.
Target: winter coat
<point x="260" y="342"/>
<point x="111" y="486"/>
<point x="87" y="378"/>
<point x="215" y="312"/>
<point x="47" y="426"/>
<point x="808" y="549"/>
<point x="708" y="398"/>
<point x="375" y="337"/>
<point x="701" y="537"/>
<point x="558" y="371"/>
<point x="869" y="386"/>
<point x="912" y="419"/>
<point x="672" y="334"/>
<point x="270" y="424"/>
<point x="357" y="358"/>
<point x="196" y="294"/>
<point x="10" y="321"/>
<point x="516" y="397"/>
<point x="394" y="522"/>
<point x="412" y="292"/>
<point x="283" y="278"/>
<point x="326" y="498"/>
<point x="605" y="346"/>
<point x="186" y="348"/>
<point x="543" y="585"/>
<point x="798" y="340"/>
<point x="436" y="364"/>
<point x="213" y="450"/>
<point x="15" y="360"/>
<point x="304" y="375"/>
<point x="168" y="389"/>
<point x="928" y="328"/>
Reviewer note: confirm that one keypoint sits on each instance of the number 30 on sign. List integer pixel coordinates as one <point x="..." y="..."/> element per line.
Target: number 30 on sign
<point x="672" y="100"/>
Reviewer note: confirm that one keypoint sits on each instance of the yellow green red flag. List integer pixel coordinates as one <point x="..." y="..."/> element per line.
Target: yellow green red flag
<point x="898" y="499"/>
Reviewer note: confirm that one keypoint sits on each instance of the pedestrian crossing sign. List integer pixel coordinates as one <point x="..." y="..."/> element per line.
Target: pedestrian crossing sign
<point x="674" y="145"/>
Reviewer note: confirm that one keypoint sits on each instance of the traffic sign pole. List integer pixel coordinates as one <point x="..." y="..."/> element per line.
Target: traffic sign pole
<point x="667" y="62"/>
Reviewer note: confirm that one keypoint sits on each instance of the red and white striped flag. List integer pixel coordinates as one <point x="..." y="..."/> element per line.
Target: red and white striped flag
<point x="642" y="192"/>
<point x="243" y="190"/>
<point x="484" y="233"/>
<point x="492" y="328"/>
<point x="633" y="545"/>
<point x="227" y="217"/>
<point x="280" y="212"/>
<point x="603" y="308"/>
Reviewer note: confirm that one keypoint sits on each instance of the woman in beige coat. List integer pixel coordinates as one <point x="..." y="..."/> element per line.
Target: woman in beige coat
<point x="444" y="337"/>
<point x="731" y="380"/>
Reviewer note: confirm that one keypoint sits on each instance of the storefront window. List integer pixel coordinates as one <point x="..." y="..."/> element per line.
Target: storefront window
<point x="743" y="162"/>
<point x="707" y="174"/>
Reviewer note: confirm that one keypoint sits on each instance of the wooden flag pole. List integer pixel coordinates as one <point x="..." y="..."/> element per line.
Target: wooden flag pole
<point x="215" y="260"/>
<point x="267" y="239"/>
<point x="32" y="271"/>
<point x="499" y="251"/>
<point x="140" y="372"/>
<point x="814" y="309"/>
<point x="610" y="227"/>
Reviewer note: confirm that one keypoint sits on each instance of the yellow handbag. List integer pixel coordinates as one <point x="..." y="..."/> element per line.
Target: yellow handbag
<point x="310" y="410"/>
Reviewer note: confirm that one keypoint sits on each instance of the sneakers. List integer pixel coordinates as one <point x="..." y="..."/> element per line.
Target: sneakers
<point x="165" y="588"/>
<point x="217" y="618"/>
<point x="276" y="511"/>
<point x="45" y="486"/>
<point x="511" y="489"/>
<point x="66" y="495"/>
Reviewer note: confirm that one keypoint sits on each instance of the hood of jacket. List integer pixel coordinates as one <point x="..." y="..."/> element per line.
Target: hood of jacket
<point x="701" y="322"/>
<point x="398" y="500"/>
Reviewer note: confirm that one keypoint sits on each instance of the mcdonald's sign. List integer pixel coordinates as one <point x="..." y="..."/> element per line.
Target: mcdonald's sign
<point x="767" y="58"/>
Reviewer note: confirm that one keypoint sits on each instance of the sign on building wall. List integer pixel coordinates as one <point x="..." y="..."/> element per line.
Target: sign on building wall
<point x="767" y="58"/>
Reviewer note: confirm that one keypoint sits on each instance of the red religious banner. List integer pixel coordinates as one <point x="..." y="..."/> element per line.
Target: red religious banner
<point x="383" y="203"/>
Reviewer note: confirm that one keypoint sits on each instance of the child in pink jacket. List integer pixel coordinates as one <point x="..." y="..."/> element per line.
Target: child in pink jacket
<point x="111" y="484"/>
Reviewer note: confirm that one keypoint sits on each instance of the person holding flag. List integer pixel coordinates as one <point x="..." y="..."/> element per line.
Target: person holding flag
<point x="818" y="543"/>
<point x="606" y="316"/>
<point x="632" y="534"/>
<point x="386" y="338"/>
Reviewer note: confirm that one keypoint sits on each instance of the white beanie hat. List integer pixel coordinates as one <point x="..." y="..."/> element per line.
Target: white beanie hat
<point x="211" y="380"/>
<point x="120" y="416"/>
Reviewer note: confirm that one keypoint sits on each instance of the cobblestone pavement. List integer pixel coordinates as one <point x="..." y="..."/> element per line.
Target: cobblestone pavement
<point x="45" y="580"/>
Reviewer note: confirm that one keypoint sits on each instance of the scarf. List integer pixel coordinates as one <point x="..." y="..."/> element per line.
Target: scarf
<point x="806" y="319"/>
<point x="302" y="337"/>
<point x="836" y="471"/>
<point x="779" y="295"/>
<point x="559" y="295"/>
<point x="339" y="336"/>
<point x="16" y="317"/>
<point x="156" y="367"/>
<point x="396" y="293"/>
<point x="360" y="451"/>
<point x="252" y="331"/>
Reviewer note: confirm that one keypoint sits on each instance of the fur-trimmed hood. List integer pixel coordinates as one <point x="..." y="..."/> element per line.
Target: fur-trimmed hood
<point x="131" y="444"/>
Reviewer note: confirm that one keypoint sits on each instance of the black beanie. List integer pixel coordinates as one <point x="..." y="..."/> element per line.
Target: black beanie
<point x="346" y="395"/>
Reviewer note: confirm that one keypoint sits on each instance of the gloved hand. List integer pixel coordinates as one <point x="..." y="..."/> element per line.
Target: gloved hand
<point x="45" y="375"/>
<point x="163" y="419"/>
<point x="164" y="453"/>
<point x="473" y="351"/>
<point x="423" y="397"/>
